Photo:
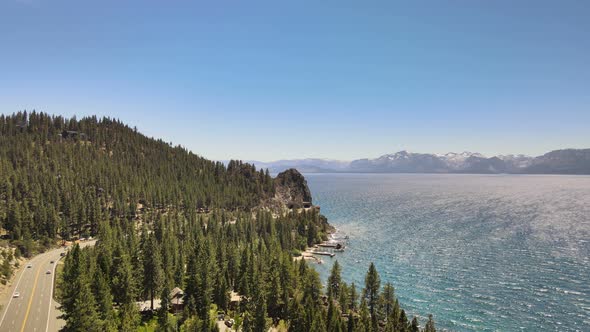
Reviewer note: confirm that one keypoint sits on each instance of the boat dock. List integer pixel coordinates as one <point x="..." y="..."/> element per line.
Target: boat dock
<point x="323" y="253"/>
<point x="330" y="245"/>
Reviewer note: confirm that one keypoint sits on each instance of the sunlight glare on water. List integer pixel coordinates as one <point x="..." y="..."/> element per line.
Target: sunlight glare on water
<point x="479" y="252"/>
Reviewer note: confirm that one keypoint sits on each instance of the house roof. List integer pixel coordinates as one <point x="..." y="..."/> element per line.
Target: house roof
<point x="235" y="297"/>
<point x="176" y="292"/>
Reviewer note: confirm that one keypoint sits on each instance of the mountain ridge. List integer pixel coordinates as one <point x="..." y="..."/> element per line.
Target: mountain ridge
<point x="563" y="161"/>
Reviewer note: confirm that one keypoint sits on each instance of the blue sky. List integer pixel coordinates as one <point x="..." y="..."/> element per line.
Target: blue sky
<point x="292" y="79"/>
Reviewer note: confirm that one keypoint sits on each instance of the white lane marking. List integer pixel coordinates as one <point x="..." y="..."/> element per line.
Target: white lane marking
<point x="51" y="296"/>
<point x="11" y="295"/>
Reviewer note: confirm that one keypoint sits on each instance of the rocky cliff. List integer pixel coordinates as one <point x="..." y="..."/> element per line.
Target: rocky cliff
<point x="291" y="189"/>
<point x="290" y="192"/>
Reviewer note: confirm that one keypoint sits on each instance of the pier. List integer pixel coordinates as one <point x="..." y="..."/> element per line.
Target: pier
<point x="323" y="253"/>
<point x="331" y="245"/>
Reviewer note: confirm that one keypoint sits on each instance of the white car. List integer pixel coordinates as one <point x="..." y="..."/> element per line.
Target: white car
<point x="16" y="294"/>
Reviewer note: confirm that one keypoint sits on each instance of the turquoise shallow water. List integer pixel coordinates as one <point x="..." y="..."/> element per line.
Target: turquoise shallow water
<point x="479" y="252"/>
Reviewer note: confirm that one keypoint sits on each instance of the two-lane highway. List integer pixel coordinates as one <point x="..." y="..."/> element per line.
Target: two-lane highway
<point x="34" y="310"/>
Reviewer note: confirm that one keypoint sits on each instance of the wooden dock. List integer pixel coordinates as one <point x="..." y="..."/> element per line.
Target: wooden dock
<point x="332" y="245"/>
<point x="323" y="253"/>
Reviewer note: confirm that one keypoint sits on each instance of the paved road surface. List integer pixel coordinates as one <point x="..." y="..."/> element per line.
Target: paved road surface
<point x="34" y="310"/>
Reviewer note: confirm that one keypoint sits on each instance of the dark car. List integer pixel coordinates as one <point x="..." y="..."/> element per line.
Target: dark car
<point x="220" y="315"/>
<point x="229" y="322"/>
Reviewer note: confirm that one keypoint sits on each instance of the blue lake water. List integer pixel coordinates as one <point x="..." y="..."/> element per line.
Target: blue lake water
<point x="479" y="252"/>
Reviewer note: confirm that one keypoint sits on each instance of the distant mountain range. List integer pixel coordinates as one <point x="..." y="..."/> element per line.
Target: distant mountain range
<point x="311" y="165"/>
<point x="567" y="161"/>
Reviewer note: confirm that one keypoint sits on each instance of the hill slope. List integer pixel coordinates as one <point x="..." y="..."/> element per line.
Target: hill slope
<point x="61" y="176"/>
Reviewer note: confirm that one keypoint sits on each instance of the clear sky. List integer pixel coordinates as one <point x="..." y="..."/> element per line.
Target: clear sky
<point x="291" y="79"/>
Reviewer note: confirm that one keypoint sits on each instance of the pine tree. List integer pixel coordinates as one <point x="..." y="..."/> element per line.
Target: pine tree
<point x="317" y="323"/>
<point x="260" y="315"/>
<point x="388" y="299"/>
<point x="334" y="323"/>
<point x="353" y="297"/>
<point x="123" y="284"/>
<point x="190" y="292"/>
<point x="163" y="320"/>
<point x="204" y="280"/>
<point x="152" y="269"/>
<point x="334" y="280"/>
<point x="415" y="327"/>
<point x="248" y="323"/>
<point x="298" y="318"/>
<point x="371" y="292"/>
<point x="129" y="317"/>
<point x="83" y="317"/>
<point x="364" y="318"/>
<point x="351" y="326"/>
<point x="430" y="325"/>
<point x="403" y="321"/>
<point x="343" y="299"/>
<point x="70" y="282"/>
<point x="104" y="301"/>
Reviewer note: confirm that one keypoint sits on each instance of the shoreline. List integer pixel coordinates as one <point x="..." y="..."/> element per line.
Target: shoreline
<point x="311" y="253"/>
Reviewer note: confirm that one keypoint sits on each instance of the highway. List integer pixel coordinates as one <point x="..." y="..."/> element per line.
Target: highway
<point x="34" y="310"/>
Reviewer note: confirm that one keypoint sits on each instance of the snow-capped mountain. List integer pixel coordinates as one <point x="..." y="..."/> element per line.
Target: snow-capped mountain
<point x="403" y="162"/>
<point x="517" y="161"/>
<point x="569" y="161"/>
<point x="457" y="160"/>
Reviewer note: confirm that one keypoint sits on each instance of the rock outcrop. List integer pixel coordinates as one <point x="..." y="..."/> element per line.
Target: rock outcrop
<point x="291" y="189"/>
<point x="290" y="193"/>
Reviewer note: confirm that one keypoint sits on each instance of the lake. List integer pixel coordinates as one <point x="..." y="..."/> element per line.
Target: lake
<point x="479" y="252"/>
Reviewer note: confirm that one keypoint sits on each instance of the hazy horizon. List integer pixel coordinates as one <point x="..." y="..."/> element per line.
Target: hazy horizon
<point x="393" y="152"/>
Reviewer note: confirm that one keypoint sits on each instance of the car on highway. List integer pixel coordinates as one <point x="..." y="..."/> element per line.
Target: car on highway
<point x="48" y="272"/>
<point x="229" y="322"/>
<point x="16" y="294"/>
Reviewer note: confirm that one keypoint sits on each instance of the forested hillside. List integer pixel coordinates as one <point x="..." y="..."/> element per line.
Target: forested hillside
<point x="168" y="219"/>
<point x="60" y="177"/>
